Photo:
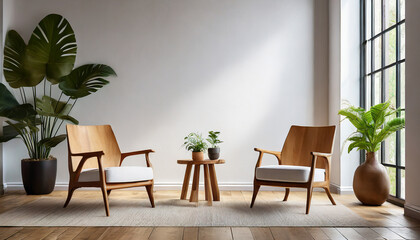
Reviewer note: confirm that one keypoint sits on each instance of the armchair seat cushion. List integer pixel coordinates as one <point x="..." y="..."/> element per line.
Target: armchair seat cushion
<point x="288" y="173"/>
<point x="118" y="174"/>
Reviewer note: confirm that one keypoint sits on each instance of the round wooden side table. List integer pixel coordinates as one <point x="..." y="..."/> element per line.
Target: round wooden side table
<point x="210" y="180"/>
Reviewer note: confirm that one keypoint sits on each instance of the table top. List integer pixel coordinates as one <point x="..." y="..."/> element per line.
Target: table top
<point x="206" y="161"/>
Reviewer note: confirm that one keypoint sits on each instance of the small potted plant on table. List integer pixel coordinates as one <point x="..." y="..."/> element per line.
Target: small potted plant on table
<point x="195" y="142"/>
<point x="214" y="151"/>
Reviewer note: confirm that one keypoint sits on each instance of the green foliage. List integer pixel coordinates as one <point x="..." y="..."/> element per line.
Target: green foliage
<point x="52" y="49"/>
<point x="85" y="80"/>
<point x="373" y="126"/>
<point x="195" y="142"/>
<point x="213" y="139"/>
<point x="48" y="58"/>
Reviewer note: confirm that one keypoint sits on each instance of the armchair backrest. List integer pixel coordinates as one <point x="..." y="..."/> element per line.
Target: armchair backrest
<point x="302" y="140"/>
<point x="90" y="139"/>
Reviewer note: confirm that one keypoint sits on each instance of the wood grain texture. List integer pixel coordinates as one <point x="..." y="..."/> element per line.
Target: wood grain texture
<point x="410" y="228"/>
<point x="304" y="146"/>
<point x="261" y="233"/>
<point x="190" y="233"/>
<point x="215" y="233"/>
<point x="168" y="233"/>
<point x="96" y="147"/>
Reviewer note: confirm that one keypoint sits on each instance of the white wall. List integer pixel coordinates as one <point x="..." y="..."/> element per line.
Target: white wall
<point x="247" y="68"/>
<point x="412" y="150"/>
<point x="344" y="69"/>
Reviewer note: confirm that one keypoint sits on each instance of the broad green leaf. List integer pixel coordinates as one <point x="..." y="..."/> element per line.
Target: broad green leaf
<point x="85" y="80"/>
<point x="52" y="108"/>
<point x="53" y="141"/>
<point x="9" y="133"/>
<point x="52" y="48"/>
<point x="10" y="108"/>
<point x="14" y="61"/>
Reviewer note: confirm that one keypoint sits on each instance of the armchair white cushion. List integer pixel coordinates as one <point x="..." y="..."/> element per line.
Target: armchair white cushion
<point x="118" y="174"/>
<point x="288" y="173"/>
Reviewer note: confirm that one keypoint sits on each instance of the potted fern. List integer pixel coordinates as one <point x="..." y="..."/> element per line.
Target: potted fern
<point x="36" y="71"/>
<point x="371" y="182"/>
<point x="214" y="151"/>
<point x="195" y="143"/>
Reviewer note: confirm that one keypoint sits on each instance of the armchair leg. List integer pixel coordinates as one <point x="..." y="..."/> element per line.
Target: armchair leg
<point x="286" y="195"/>
<point x="149" y="190"/>
<point x="254" y="195"/>
<point x="327" y="190"/>
<point x="105" y="196"/>
<point x="69" y="195"/>
<point x="308" y="199"/>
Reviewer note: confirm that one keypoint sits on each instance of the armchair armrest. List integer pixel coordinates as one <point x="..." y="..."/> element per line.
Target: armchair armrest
<point x="88" y="154"/>
<point x="318" y="154"/>
<point x="262" y="151"/>
<point x="327" y="157"/>
<point x="85" y="156"/>
<point x="146" y="152"/>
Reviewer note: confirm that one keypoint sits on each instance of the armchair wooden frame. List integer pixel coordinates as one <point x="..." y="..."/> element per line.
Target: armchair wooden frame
<point x="318" y="159"/>
<point x="105" y="187"/>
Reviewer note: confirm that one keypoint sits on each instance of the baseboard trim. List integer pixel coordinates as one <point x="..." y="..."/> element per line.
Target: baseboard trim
<point x="227" y="186"/>
<point x="341" y="189"/>
<point x="412" y="211"/>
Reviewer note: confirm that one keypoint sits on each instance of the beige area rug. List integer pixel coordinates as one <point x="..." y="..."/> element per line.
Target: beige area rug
<point x="48" y="211"/>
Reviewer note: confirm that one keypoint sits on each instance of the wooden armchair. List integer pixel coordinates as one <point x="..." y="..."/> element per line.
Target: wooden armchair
<point x="304" y="162"/>
<point x="95" y="159"/>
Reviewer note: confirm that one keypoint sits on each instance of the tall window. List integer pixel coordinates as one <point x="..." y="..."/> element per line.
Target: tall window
<point x="383" y="76"/>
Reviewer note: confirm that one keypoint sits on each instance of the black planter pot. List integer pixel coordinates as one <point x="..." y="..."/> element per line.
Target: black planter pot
<point x="214" y="153"/>
<point x="39" y="176"/>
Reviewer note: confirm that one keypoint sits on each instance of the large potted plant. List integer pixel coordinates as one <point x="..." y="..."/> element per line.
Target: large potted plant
<point x="214" y="151"/>
<point x="195" y="143"/>
<point x="371" y="182"/>
<point x="38" y="71"/>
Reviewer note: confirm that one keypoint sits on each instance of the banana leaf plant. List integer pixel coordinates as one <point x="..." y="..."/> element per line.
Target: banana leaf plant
<point x="37" y="71"/>
<point x="373" y="126"/>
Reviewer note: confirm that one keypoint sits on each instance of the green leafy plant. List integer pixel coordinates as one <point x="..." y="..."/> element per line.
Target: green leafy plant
<point x="213" y="139"/>
<point x="373" y="126"/>
<point x="37" y="70"/>
<point x="195" y="142"/>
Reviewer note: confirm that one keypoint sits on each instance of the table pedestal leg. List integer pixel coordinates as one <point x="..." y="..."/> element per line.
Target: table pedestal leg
<point x="207" y="184"/>
<point x="186" y="182"/>
<point x="214" y="185"/>
<point x="194" y="187"/>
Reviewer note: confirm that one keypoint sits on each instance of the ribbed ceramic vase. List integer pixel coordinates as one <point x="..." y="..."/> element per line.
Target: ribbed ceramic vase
<point x="371" y="182"/>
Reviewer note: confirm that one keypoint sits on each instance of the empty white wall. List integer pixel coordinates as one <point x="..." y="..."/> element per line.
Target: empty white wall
<point x="247" y="68"/>
<point x="344" y="69"/>
<point x="412" y="151"/>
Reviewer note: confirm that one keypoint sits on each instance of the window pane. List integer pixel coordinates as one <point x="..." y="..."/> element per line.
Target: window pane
<point x="392" y="176"/>
<point x="378" y="156"/>
<point x="368" y="54"/>
<point x="402" y="41"/>
<point x="368" y="19"/>
<point x="390" y="13"/>
<point x="402" y="9"/>
<point x="378" y="53"/>
<point x="402" y="80"/>
<point x="390" y="146"/>
<point x="378" y="9"/>
<point x="403" y="142"/>
<point x="403" y="183"/>
<point x="390" y="85"/>
<point x="377" y="85"/>
<point x="368" y="83"/>
<point x="390" y="46"/>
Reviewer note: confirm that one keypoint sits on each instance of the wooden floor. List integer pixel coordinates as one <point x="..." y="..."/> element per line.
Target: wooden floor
<point x="410" y="228"/>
